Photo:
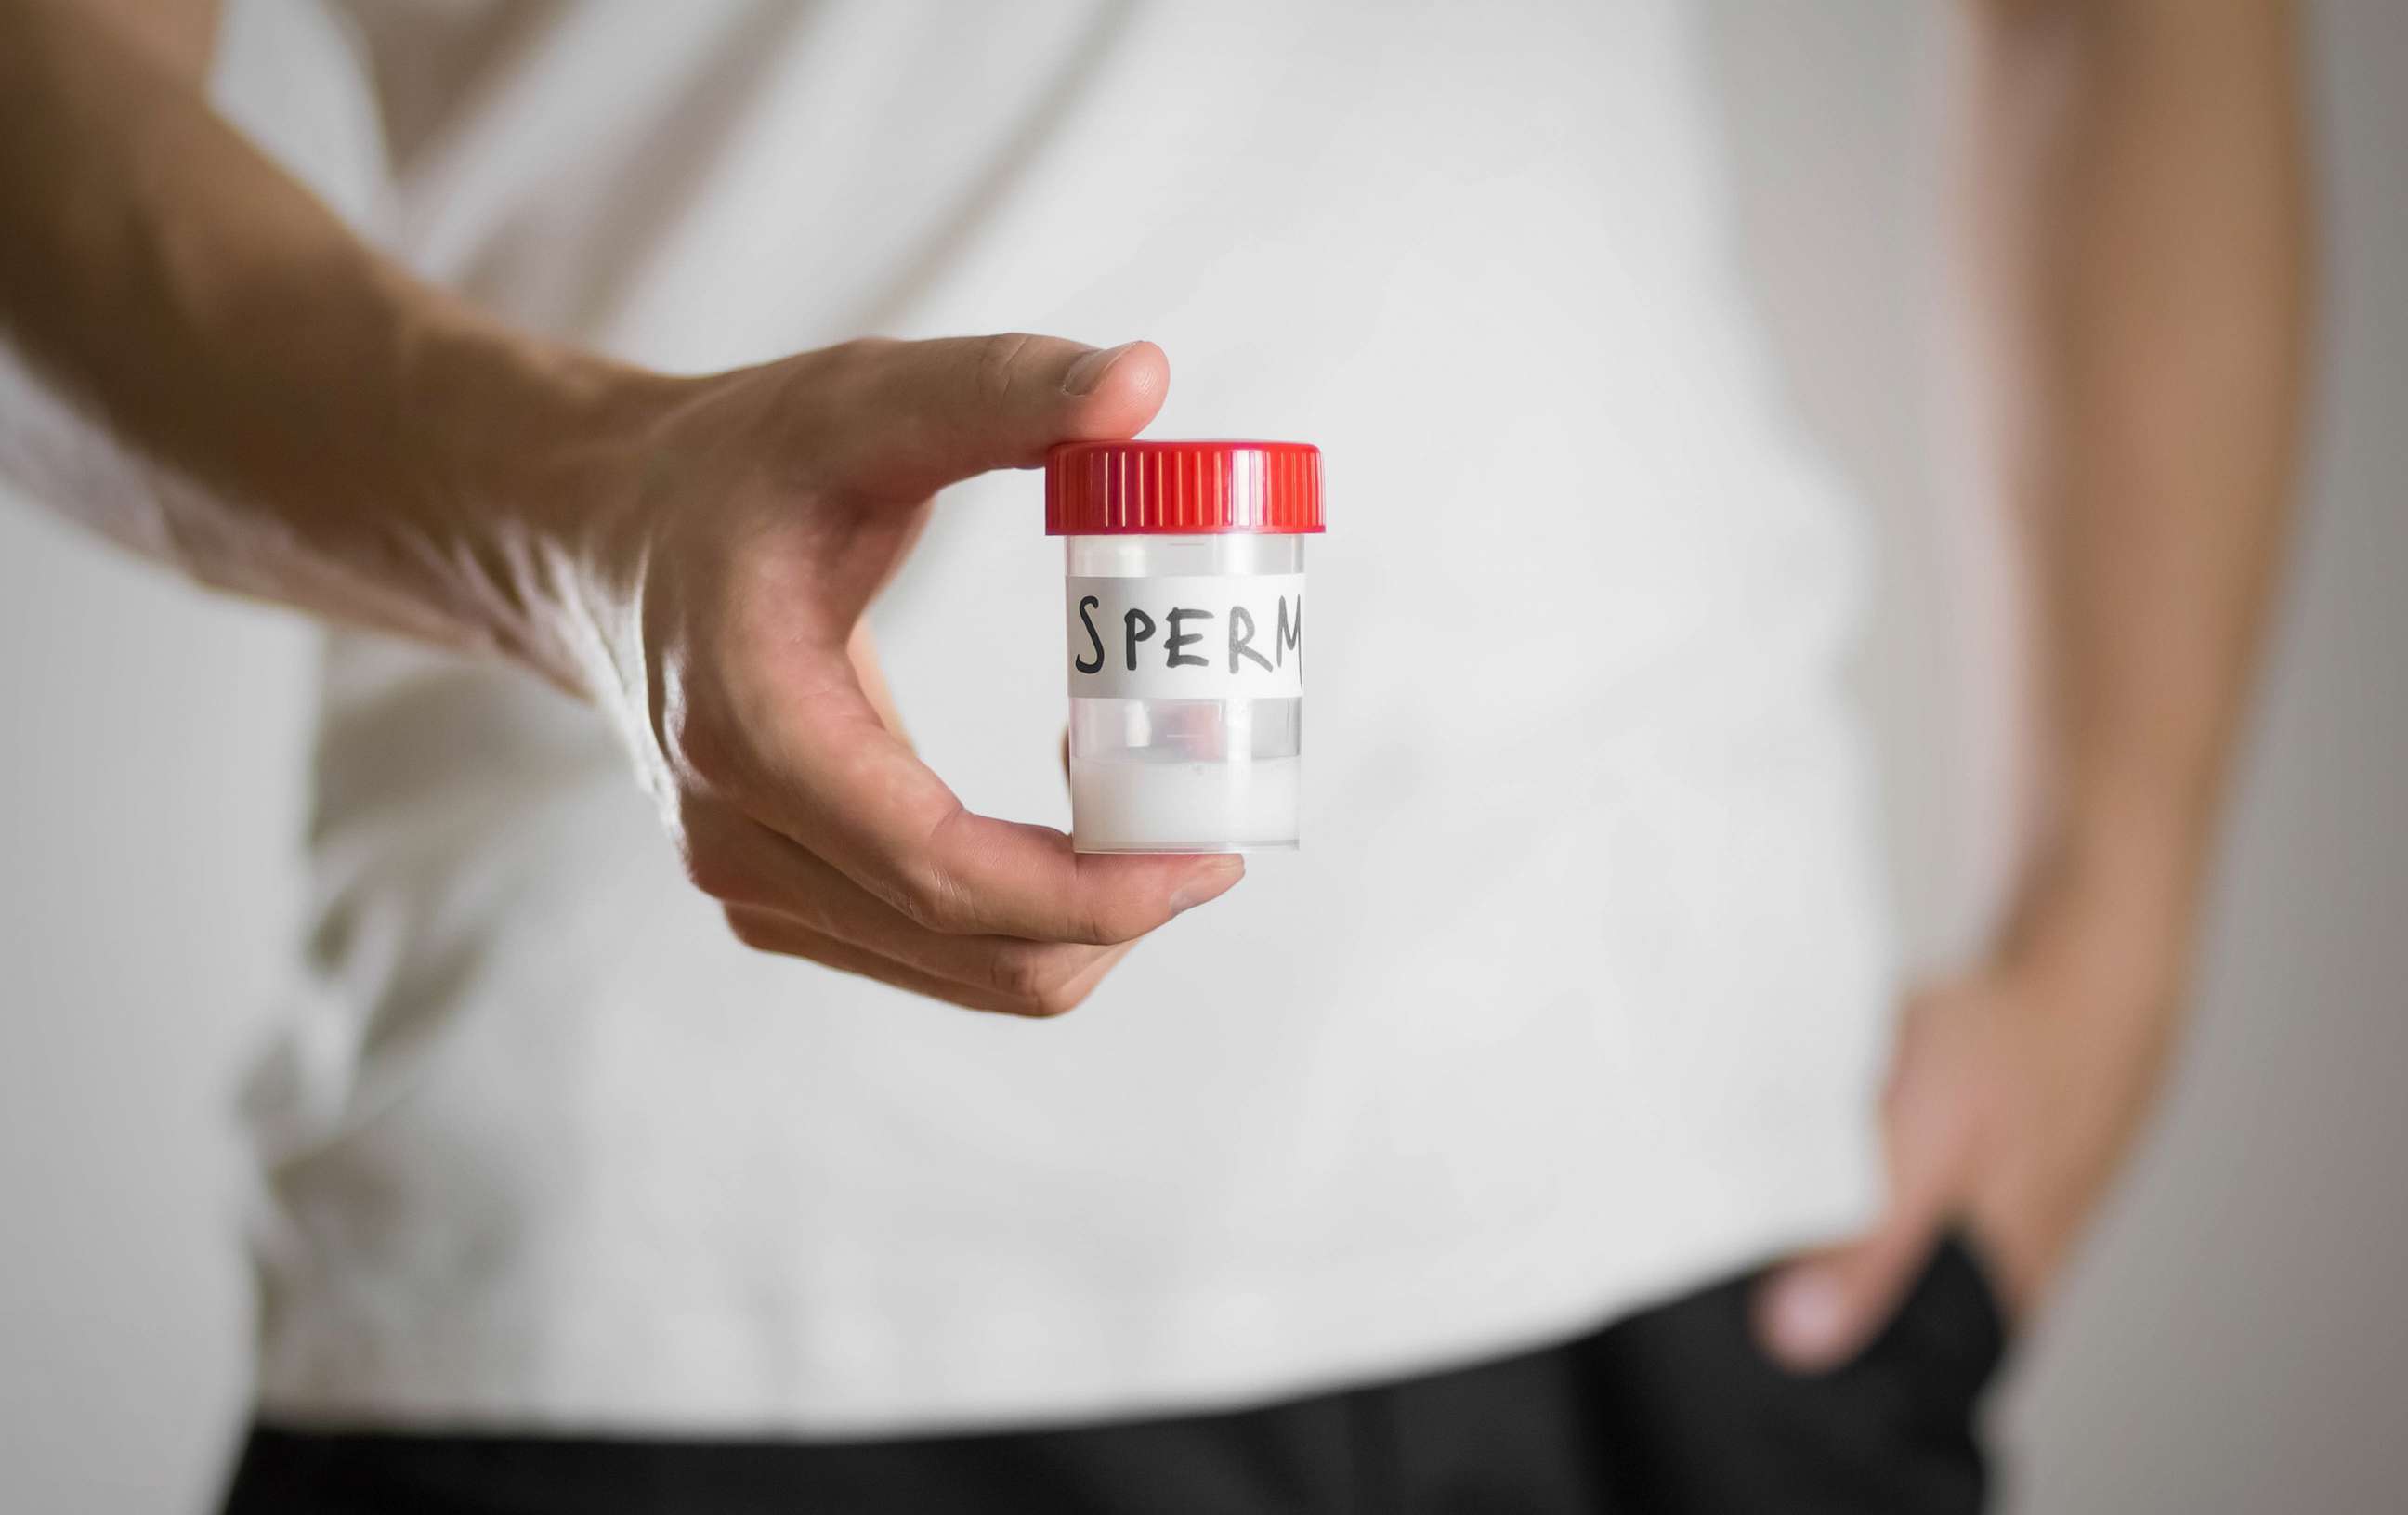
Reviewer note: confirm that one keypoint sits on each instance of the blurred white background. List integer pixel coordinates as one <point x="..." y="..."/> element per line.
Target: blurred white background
<point x="2230" y="1340"/>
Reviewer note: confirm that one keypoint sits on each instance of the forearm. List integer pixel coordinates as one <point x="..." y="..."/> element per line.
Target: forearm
<point x="2142" y="245"/>
<point x="338" y="436"/>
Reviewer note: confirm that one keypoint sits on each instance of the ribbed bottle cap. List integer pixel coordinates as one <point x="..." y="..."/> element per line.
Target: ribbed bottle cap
<point x="1111" y="489"/>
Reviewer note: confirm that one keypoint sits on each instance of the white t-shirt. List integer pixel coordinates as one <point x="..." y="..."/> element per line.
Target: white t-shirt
<point x="1578" y="991"/>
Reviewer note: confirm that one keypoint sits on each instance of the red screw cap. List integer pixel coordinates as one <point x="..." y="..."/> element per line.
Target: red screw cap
<point x="1112" y="489"/>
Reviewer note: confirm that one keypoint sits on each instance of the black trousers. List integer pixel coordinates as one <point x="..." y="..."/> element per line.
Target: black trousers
<point x="1670" y="1411"/>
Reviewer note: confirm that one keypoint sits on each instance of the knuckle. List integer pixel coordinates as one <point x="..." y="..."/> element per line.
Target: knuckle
<point x="705" y="745"/>
<point x="996" y="364"/>
<point x="932" y="898"/>
<point x="749" y="929"/>
<point x="824" y="395"/>
<point x="1059" y="1000"/>
<point x="855" y="359"/>
<point x="836" y="385"/>
<point x="710" y="865"/>
<point x="1042" y="981"/>
<point x="711" y="870"/>
<point x="1022" y="972"/>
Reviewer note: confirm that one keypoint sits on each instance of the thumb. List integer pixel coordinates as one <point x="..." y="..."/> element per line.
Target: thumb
<point x="917" y="416"/>
<point x="1819" y="1310"/>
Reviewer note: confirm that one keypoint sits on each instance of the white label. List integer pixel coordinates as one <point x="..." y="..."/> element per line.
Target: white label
<point x="1188" y="637"/>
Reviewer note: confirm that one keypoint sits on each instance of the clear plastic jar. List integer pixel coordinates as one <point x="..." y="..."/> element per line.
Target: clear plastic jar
<point x="1185" y="646"/>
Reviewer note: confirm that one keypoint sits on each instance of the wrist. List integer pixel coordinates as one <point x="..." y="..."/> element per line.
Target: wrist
<point x="518" y="453"/>
<point x="2107" y="913"/>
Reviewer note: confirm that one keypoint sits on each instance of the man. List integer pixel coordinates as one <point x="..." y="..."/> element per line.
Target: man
<point x="1402" y="1177"/>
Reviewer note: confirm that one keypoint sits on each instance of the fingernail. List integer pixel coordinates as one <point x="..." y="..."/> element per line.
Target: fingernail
<point x="1210" y="881"/>
<point x="1088" y="372"/>
<point x="1807" y="1316"/>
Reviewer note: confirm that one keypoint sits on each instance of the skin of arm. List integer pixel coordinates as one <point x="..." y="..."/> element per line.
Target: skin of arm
<point x="2137" y="239"/>
<point x="695" y="555"/>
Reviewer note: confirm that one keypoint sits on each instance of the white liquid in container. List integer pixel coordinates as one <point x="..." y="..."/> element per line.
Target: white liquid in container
<point x="1152" y="800"/>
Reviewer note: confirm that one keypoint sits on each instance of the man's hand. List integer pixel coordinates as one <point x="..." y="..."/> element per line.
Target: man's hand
<point x="2014" y="1092"/>
<point x="724" y="588"/>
